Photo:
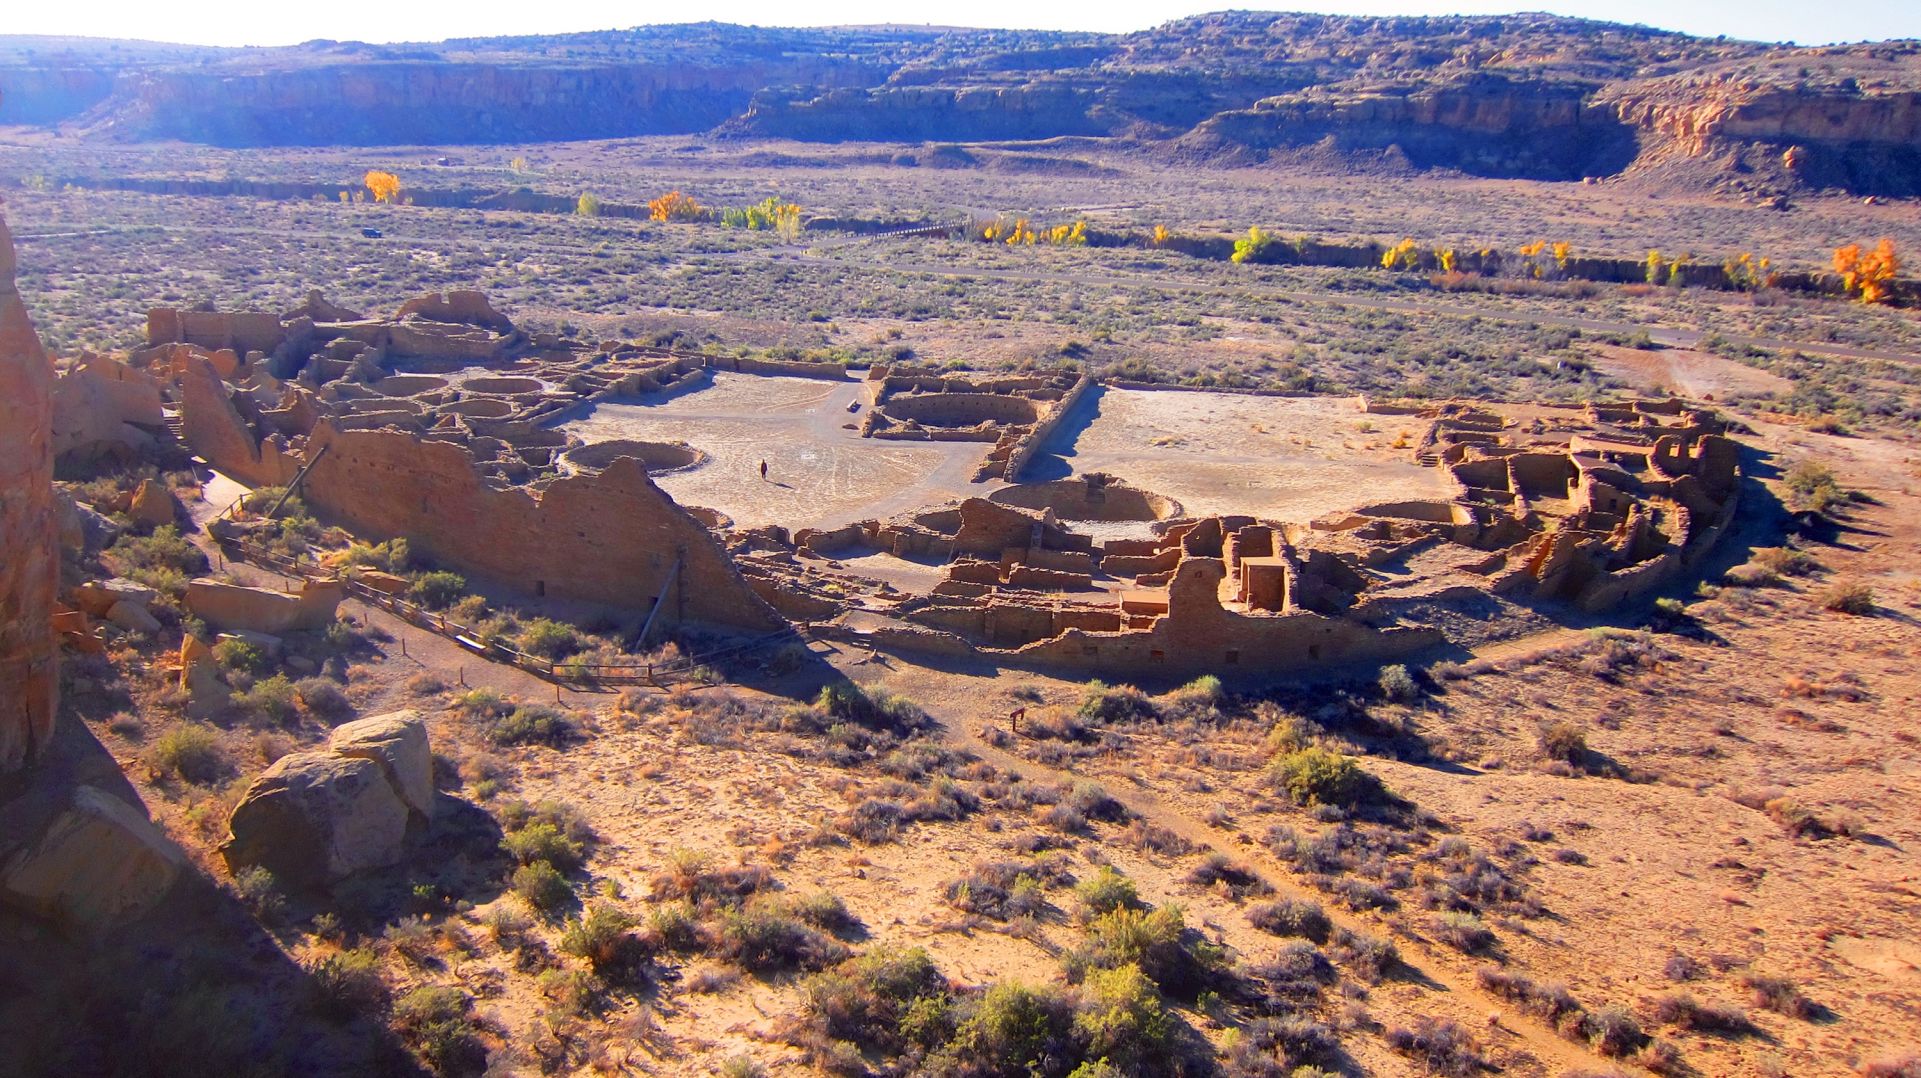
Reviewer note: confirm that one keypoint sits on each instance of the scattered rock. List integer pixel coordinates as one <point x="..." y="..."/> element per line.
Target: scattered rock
<point x="133" y="617"/>
<point x="96" y="597"/>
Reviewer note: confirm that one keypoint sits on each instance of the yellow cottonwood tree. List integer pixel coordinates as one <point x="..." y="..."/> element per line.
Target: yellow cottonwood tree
<point x="1868" y="274"/>
<point x="674" y="206"/>
<point x="384" y="186"/>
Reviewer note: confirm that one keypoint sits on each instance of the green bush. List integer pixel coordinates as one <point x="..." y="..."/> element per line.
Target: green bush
<point x="1811" y="488"/>
<point x="1847" y="597"/>
<point x="392" y="556"/>
<point x="1315" y="776"/>
<point x="1159" y="942"/>
<point x="192" y="752"/>
<point x="1012" y="1030"/>
<point x="534" y="724"/>
<point x="543" y="841"/>
<point x="1103" y="704"/>
<point x="163" y="561"/>
<point x="1122" y="1020"/>
<point x="601" y="937"/>
<point x="876" y="709"/>
<point x="324" y="699"/>
<point x="436" y="1023"/>
<point x="272" y="699"/>
<point x="1106" y="891"/>
<point x="1398" y="684"/>
<point x="542" y="887"/>
<point x="549" y="639"/>
<point x="234" y="653"/>
<point x="882" y="1000"/>
<point x="347" y="984"/>
<point x="437" y="590"/>
<point x="1563" y="741"/>
<point x="764" y="938"/>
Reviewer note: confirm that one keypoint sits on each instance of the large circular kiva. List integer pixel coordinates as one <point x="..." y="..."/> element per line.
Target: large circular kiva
<point x="407" y="385"/>
<point x="1090" y="497"/>
<point x="659" y="457"/>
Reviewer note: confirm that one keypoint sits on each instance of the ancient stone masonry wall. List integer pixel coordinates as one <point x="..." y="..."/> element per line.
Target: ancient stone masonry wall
<point x="29" y="562"/>
<point x="611" y="538"/>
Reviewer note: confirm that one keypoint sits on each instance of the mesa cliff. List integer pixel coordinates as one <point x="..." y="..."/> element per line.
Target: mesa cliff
<point x="1533" y="96"/>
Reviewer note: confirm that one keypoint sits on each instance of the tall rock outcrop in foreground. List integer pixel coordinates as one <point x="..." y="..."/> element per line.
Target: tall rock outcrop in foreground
<point x="29" y="563"/>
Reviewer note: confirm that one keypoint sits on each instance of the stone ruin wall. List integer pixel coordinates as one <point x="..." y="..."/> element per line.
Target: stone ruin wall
<point x="29" y="562"/>
<point x="610" y="538"/>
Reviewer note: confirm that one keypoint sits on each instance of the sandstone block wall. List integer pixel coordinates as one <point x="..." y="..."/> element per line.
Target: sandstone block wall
<point x="607" y="538"/>
<point x="29" y="562"/>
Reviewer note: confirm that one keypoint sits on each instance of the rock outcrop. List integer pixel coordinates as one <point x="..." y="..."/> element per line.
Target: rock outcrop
<point x="98" y="862"/>
<point x="236" y="608"/>
<point x="29" y="530"/>
<point x="314" y="818"/>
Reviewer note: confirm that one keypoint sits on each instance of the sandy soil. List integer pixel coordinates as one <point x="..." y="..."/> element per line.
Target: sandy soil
<point x="820" y="474"/>
<point x="1701" y="375"/>
<point x="1288" y="458"/>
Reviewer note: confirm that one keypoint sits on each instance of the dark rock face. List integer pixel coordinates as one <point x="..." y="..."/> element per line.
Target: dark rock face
<point x="1532" y="96"/>
<point x="29" y="554"/>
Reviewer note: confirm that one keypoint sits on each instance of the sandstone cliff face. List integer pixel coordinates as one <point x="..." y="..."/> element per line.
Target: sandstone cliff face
<point x="1488" y="126"/>
<point x="29" y="564"/>
<point x="43" y="95"/>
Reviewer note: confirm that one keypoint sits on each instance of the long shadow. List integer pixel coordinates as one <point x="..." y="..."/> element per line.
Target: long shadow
<point x="196" y="986"/>
<point x="1053" y="461"/>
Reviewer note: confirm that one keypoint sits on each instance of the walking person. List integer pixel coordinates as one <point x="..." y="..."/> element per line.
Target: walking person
<point x="763" y="470"/>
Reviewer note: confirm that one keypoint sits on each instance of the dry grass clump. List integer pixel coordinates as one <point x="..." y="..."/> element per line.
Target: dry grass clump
<point x="1682" y="1011"/>
<point x="1292" y="917"/>
<point x="1847" y="597"/>
<point x="192" y="752"/>
<point x="1440" y="1045"/>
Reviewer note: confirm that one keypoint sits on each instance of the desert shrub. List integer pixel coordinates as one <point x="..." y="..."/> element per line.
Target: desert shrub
<point x="692" y="875"/>
<point x="437" y="590"/>
<point x="1103" y="704"/>
<point x="436" y="1023"/>
<point x="1397" y="684"/>
<point x="541" y="840"/>
<point x="534" y="724"/>
<point x="1198" y="700"/>
<point x="1122" y="1020"/>
<point x="1462" y="931"/>
<point x="1785" y="561"/>
<point x="1292" y="917"/>
<point x="1550" y="1001"/>
<point x="482" y="704"/>
<point x="347" y="984"/>
<point x="235" y="653"/>
<point x="1218" y="870"/>
<point x="1682" y="1011"/>
<point x="1812" y="488"/>
<point x="999" y="889"/>
<point x="192" y="752"/>
<point x="1092" y="801"/>
<point x="762" y="937"/>
<point x="392" y="556"/>
<point x="1159" y="942"/>
<point x="1442" y="1046"/>
<point x="874" y="820"/>
<point x="1613" y="1031"/>
<point x="1563" y="741"/>
<point x="602" y="937"/>
<point x="1847" y="597"/>
<point x="549" y="639"/>
<point x="259" y="892"/>
<point x="1315" y="776"/>
<point x="272" y="699"/>
<point x="1294" y="977"/>
<point x="542" y="887"/>
<point x="1680" y="967"/>
<point x="876" y="709"/>
<point x="1105" y="891"/>
<point x="1900" y="1065"/>
<point x="162" y="561"/>
<point x="1780" y="995"/>
<point x="1369" y="957"/>
<point x="676" y="926"/>
<point x="324" y="699"/>
<point x="1283" y="1047"/>
<point x="1012" y="1030"/>
<point x="883" y="1000"/>
<point x="826" y="911"/>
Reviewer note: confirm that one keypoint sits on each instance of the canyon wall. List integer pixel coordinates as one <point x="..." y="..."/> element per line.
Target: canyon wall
<point x="29" y="560"/>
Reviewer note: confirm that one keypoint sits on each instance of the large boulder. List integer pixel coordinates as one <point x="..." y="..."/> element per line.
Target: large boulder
<point x="152" y="506"/>
<point x="313" y="818"/>
<point x="398" y="742"/>
<point x="234" y="608"/>
<point x="99" y="862"/>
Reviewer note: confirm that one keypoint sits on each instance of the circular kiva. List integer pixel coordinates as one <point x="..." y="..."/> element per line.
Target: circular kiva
<point x="408" y="385"/>
<point x="1090" y="499"/>
<point x="507" y="386"/>
<point x="659" y="457"/>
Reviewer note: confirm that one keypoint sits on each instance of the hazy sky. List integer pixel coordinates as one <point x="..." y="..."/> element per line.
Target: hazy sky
<point x="253" y="22"/>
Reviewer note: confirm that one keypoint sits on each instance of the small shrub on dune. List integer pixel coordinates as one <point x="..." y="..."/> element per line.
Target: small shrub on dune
<point x="348" y="984"/>
<point x="542" y="887"/>
<point x="1442" y="1046"/>
<point x="1105" y="891"/>
<point x="1847" y="597"/>
<point x="1292" y="917"/>
<point x="192" y="752"/>
<point x="603" y="937"/>
<point x="1314" y="776"/>
<point x="763" y="937"/>
<point x="324" y="699"/>
<point x="1103" y="704"/>
<point x="534" y="724"/>
<point x="437" y="590"/>
<point x="437" y="1023"/>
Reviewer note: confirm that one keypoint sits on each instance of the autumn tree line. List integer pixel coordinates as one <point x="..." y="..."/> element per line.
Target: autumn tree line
<point x="1869" y="275"/>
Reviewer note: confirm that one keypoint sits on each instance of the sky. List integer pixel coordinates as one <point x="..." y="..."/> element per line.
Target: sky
<point x="251" y="22"/>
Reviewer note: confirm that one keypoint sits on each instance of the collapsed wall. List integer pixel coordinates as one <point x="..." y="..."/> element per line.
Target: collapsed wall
<point x="29" y="562"/>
